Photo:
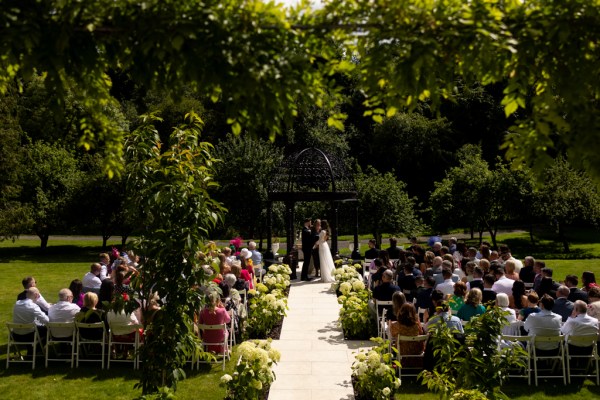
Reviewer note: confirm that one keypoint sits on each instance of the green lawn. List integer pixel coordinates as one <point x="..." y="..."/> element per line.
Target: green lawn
<point x="65" y="260"/>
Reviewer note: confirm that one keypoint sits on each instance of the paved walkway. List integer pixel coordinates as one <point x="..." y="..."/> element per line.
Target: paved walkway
<point x="315" y="358"/>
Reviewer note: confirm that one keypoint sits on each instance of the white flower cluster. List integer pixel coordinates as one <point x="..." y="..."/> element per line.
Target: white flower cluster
<point x="375" y="375"/>
<point x="345" y="274"/>
<point x="278" y="277"/>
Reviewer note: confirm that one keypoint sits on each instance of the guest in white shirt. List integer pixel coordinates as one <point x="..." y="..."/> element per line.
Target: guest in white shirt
<point x="30" y="282"/>
<point x="447" y="285"/>
<point x="91" y="281"/>
<point x="63" y="311"/>
<point x="544" y="323"/>
<point x="579" y="323"/>
<point x="26" y="311"/>
<point x="503" y="284"/>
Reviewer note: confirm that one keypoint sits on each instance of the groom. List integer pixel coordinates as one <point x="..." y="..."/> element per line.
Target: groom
<point x="307" y="245"/>
<point x="315" y="252"/>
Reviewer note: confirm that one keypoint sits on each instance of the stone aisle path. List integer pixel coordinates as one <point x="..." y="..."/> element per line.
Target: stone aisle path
<point x="315" y="359"/>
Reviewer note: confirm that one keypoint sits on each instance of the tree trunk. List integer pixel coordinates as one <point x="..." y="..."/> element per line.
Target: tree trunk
<point x="44" y="240"/>
<point x="531" y="235"/>
<point x="105" y="241"/>
<point x="378" y="239"/>
<point x="563" y="238"/>
<point x="124" y="240"/>
<point x="493" y="232"/>
<point x="472" y="232"/>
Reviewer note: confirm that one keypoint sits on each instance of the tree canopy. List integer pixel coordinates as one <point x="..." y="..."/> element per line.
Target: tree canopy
<point x="264" y="64"/>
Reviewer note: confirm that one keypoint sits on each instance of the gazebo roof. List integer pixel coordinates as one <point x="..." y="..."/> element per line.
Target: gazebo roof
<point x="312" y="175"/>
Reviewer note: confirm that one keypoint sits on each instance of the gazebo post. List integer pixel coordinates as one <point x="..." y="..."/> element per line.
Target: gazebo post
<point x="290" y="227"/>
<point x="269" y="253"/>
<point x="334" y="230"/>
<point x="356" y="251"/>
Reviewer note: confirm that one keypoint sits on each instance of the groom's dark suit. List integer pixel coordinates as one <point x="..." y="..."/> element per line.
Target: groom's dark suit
<point x="307" y="245"/>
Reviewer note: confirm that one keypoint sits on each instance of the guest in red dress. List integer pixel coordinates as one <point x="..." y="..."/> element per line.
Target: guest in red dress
<point x="214" y="314"/>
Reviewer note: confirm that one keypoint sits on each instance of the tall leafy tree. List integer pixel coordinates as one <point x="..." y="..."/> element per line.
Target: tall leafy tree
<point x="384" y="205"/>
<point x="172" y="183"/>
<point x="565" y="196"/>
<point x="53" y="177"/>
<point x="244" y="173"/>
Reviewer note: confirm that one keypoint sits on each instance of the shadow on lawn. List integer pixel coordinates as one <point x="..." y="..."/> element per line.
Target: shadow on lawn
<point x="52" y="254"/>
<point x="87" y="370"/>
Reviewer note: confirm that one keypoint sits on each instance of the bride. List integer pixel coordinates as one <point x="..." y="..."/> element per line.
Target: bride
<point x="326" y="260"/>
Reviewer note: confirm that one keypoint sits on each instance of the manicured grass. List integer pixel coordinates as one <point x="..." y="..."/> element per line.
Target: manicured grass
<point x="547" y="389"/>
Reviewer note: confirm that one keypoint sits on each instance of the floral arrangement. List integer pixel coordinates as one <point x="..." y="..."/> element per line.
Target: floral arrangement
<point x="354" y="314"/>
<point x="344" y="274"/>
<point x="374" y="371"/>
<point x="121" y="303"/>
<point x="266" y="310"/>
<point x="338" y="263"/>
<point x="253" y="372"/>
<point x="277" y="277"/>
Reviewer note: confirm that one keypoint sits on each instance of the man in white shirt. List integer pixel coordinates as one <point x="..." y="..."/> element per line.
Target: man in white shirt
<point x="579" y="323"/>
<point x="544" y="323"/>
<point x="91" y="281"/>
<point x="502" y="284"/>
<point x="447" y="286"/>
<point x="26" y="311"/>
<point x="30" y="282"/>
<point x="104" y="263"/>
<point x="63" y="311"/>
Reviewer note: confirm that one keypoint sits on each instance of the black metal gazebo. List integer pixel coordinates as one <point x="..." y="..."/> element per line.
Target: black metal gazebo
<point x="312" y="175"/>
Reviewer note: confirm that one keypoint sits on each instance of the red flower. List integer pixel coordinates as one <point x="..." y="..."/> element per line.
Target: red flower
<point x="125" y="297"/>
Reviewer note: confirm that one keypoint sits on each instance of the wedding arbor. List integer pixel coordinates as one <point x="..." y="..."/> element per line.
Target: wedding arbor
<point x="312" y="175"/>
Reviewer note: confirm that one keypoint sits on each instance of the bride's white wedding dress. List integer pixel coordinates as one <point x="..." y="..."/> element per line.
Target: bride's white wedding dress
<point x="325" y="258"/>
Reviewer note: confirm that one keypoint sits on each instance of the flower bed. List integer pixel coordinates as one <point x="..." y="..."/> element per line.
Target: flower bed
<point x="354" y="298"/>
<point x="374" y="373"/>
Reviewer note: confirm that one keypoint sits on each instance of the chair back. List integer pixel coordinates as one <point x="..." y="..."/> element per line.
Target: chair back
<point x="21" y="329"/>
<point x="513" y="329"/>
<point x="60" y="329"/>
<point x="582" y="340"/>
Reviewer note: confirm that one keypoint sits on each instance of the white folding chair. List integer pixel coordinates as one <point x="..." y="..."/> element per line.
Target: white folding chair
<point x="244" y="299"/>
<point x="62" y="328"/>
<point x="583" y="341"/>
<point x="14" y="345"/>
<point x="115" y="340"/>
<point x="410" y="339"/>
<point x="515" y="341"/>
<point x="85" y="343"/>
<point x="366" y="272"/>
<point x="223" y="344"/>
<point x="423" y="314"/>
<point x="528" y="285"/>
<point x="381" y="315"/>
<point x="513" y="329"/>
<point x="232" y="341"/>
<point x="559" y="357"/>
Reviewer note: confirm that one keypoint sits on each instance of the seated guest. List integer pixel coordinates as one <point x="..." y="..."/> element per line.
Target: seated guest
<point x="527" y="274"/>
<point x="29" y="282"/>
<point x="477" y="281"/>
<point x="472" y="306"/>
<point x="372" y="253"/>
<point x="384" y="292"/>
<point x="571" y="281"/>
<point x="580" y="324"/>
<point x="562" y="305"/>
<point x="89" y="314"/>
<point x="457" y="300"/>
<point x="594" y="306"/>
<point x="242" y="276"/>
<point x="106" y="292"/>
<point x="424" y="297"/>
<point x="502" y="284"/>
<point x="509" y="270"/>
<point x="439" y="278"/>
<point x="398" y="299"/>
<point x="443" y="314"/>
<point x="544" y="323"/>
<point x="256" y="258"/>
<point x="375" y="278"/>
<point x="104" y="266"/>
<point x="588" y="280"/>
<point x="488" y="294"/>
<point x="518" y="299"/>
<point x="121" y="281"/>
<point x="63" y="311"/>
<point x="447" y="285"/>
<point x="27" y="311"/>
<point x="394" y="250"/>
<point x="120" y="323"/>
<point x="531" y="307"/>
<point x="76" y="287"/>
<point x="214" y="314"/>
<point x="502" y="302"/>
<point x="407" y="324"/>
<point x="91" y="280"/>
<point x="407" y="283"/>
